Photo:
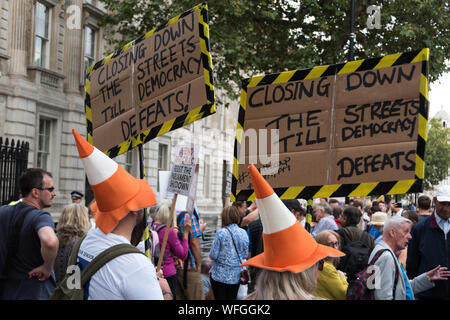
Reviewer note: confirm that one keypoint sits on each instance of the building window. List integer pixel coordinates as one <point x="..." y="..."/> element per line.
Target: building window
<point x="42" y="36"/>
<point x="207" y="177"/>
<point x="163" y="156"/>
<point x="129" y="161"/>
<point x="89" y="48"/>
<point x="43" y="151"/>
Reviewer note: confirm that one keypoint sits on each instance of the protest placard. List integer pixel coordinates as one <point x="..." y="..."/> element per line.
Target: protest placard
<point x="183" y="170"/>
<point x="180" y="186"/>
<point x="184" y="173"/>
<point x="350" y="129"/>
<point x="155" y="84"/>
<point x="181" y="203"/>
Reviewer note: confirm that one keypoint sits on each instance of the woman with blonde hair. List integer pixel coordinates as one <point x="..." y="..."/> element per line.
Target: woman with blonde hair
<point x="274" y="285"/>
<point x="292" y="258"/>
<point x="332" y="284"/>
<point x="73" y="224"/>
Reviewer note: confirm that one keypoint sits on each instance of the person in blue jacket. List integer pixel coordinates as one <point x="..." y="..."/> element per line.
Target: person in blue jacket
<point x="228" y="251"/>
<point x="430" y="245"/>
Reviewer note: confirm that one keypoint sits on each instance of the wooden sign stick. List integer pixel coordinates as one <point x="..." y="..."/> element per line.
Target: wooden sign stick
<point x="166" y="234"/>
<point x="174" y="219"/>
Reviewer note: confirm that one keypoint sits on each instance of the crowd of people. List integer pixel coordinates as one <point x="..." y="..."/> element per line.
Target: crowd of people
<point x="268" y="249"/>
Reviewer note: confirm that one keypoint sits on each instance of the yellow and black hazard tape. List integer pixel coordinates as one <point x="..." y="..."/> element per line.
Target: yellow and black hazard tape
<point x="342" y="190"/>
<point x="175" y="123"/>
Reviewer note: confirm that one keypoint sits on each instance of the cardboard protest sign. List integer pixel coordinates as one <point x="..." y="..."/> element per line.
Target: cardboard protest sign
<point x="184" y="173"/>
<point x="350" y="129"/>
<point x="182" y="201"/>
<point x="164" y="177"/>
<point x="157" y="83"/>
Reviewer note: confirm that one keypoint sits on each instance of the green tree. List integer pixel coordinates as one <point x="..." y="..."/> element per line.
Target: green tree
<point x="437" y="154"/>
<point x="250" y="37"/>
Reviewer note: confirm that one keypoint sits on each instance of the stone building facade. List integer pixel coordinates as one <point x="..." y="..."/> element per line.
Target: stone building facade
<point x="45" y="46"/>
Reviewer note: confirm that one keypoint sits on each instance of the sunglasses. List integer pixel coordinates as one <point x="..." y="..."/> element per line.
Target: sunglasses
<point x="320" y="265"/>
<point x="333" y="244"/>
<point x="50" y="189"/>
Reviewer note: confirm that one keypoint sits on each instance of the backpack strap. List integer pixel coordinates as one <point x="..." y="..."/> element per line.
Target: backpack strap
<point x="168" y="252"/>
<point x="104" y="257"/>
<point x="235" y="248"/>
<point x="377" y="255"/>
<point x="375" y="258"/>
<point x="74" y="254"/>
<point x="160" y="227"/>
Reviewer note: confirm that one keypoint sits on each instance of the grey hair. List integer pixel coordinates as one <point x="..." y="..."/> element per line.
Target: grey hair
<point x="394" y="223"/>
<point x="325" y="207"/>
<point x="152" y="211"/>
<point x="163" y="213"/>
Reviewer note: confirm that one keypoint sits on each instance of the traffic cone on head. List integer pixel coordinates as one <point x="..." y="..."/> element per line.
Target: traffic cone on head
<point x="116" y="191"/>
<point x="287" y="245"/>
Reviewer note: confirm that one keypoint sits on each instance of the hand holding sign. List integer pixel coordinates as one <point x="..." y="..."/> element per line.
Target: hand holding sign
<point x="187" y="226"/>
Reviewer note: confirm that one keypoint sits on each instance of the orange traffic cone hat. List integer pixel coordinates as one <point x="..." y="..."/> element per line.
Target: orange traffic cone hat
<point x="287" y="244"/>
<point x="116" y="191"/>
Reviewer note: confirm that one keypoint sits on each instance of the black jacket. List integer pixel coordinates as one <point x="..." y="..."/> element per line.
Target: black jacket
<point x="354" y="233"/>
<point x="427" y="249"/>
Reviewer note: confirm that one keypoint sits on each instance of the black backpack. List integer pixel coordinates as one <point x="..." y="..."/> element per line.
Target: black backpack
<point x="357" y="255"/>
<point x="359" y="289"/>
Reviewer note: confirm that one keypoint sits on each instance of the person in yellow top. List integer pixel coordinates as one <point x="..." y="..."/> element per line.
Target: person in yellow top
<point x="332" y="284"/>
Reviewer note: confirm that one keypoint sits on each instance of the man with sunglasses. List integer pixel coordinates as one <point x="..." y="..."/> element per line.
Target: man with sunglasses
<point x="28" y="243"/>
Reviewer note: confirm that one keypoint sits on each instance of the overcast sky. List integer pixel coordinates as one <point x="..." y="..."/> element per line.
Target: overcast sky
<point x="439" y="95"/>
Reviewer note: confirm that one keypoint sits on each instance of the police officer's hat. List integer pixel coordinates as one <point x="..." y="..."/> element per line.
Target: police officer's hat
<point x="76" y="195"/>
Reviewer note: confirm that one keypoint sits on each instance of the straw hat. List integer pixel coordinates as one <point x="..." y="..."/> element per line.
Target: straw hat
<point x="287" y="245"/>
<point x="378" y="218"/>
<point x="116" y="191"/>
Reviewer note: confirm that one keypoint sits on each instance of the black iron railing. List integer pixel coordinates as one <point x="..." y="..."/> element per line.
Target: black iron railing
<point x="13" y="161"/>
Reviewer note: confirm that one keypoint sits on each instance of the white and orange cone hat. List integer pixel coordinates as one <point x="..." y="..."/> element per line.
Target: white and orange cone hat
<point x="287" y="244"/>
<point x="116" y="191"/>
